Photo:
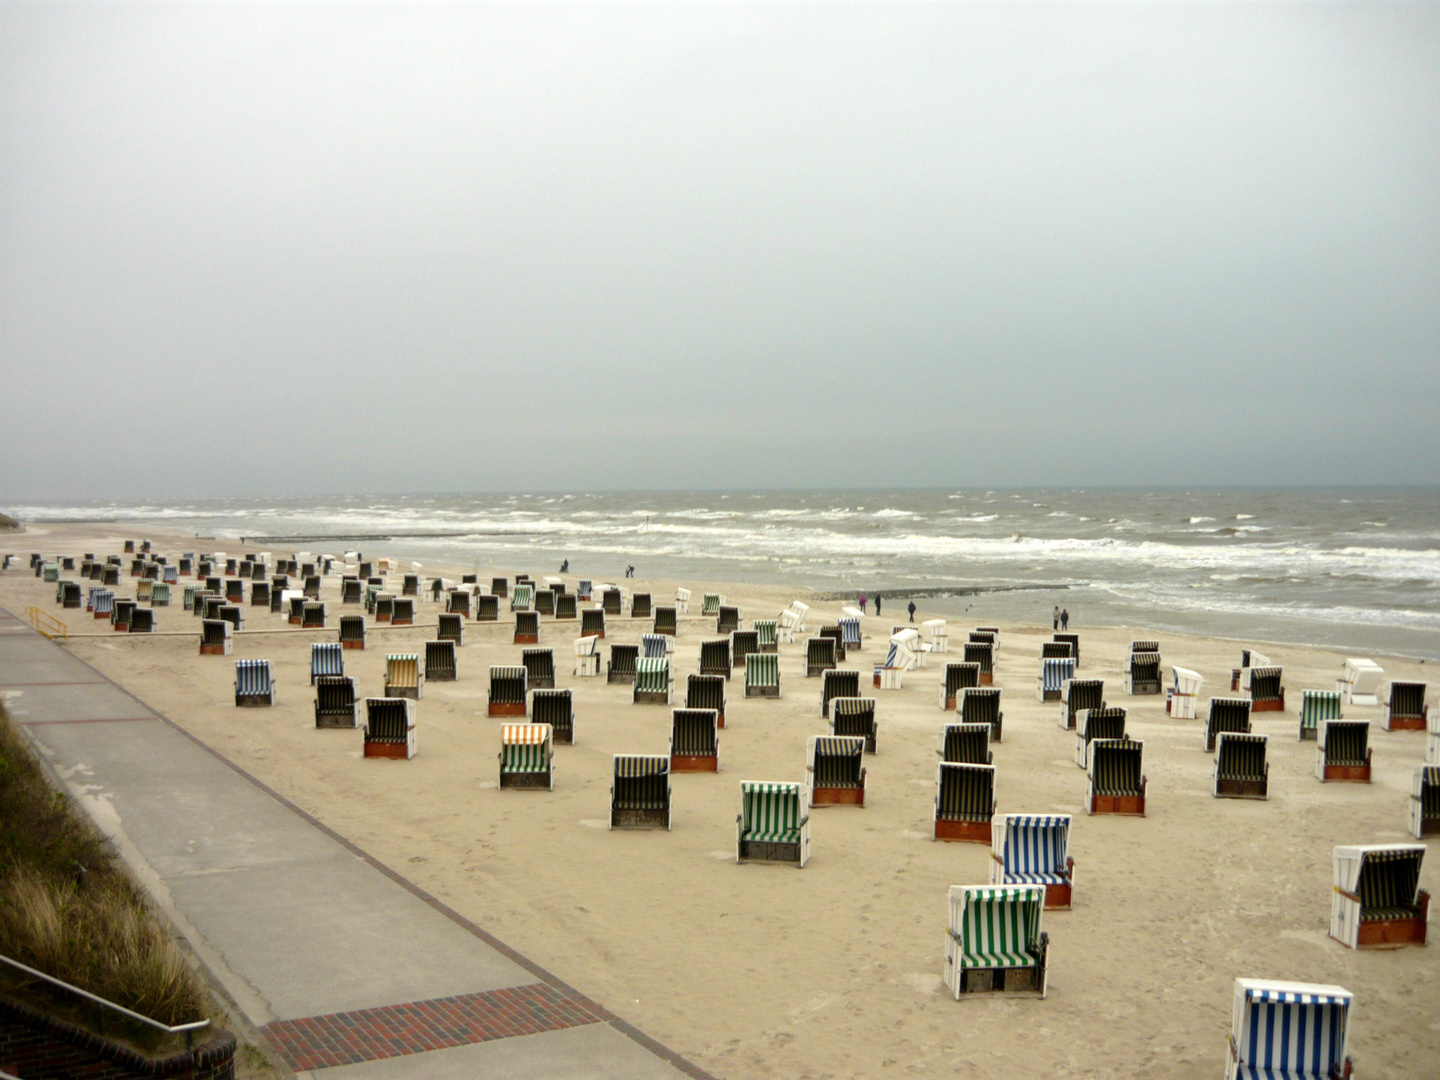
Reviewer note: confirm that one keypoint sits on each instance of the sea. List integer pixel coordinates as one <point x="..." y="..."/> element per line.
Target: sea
<point x="1354" y="569"/>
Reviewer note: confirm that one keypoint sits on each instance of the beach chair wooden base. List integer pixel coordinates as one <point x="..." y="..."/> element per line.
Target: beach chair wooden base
<point x="485" y="616"/>
<point x="396" y="750"/>
<point x="719" y="721"/>
<point x="987" y="678"/>
<point x="402" y="620"/>
<point x="1058" y="894"/>
<point x="769" y="646"/>
<point x="623" y="677"/>
<point x="215" y="650"/>
<point x="1070" y="722"/>
<point x="1268" y="705"/>
<point x="966" y="832"/>
<point x="335" y="720"/>
<point x="587" y="633"/>
<point x="1141" y="689"/>
<point x="1020" y="980"/>
<point x="352" y="645"/>
<point x="535" y="781"/>
<point x="1241" y="789"/>
<point x="527" y="639"/>
<point x="761" y="691"/>
<point x="102" y="615"/>
<point x="766" y="851"/>
<point x="694" y="763"/>
<point x="1429" y="826"/>
<point x="507" y="708"/>
<point x="639" y="819"/>
<point x="562" y="736"/>
<point x="948" y="704"/>
<point x="1346" y="774"/>
<point x="254" y="701"/>
<point x="1398" y="932"/>
<point x="382" y="616"/>
<point x="651" y="697"/>
<point x="294" y="620"/>
<point x="1129" y="805"/>
<point x="838" y="796"/>
<point x="1406" y="723"/>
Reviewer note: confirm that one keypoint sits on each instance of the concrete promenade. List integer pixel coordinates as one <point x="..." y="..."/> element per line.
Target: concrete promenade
<point x="348" y="970"/>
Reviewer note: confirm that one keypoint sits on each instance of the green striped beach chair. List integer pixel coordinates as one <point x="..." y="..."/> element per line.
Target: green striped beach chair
<point x="640" y="792"/>
<point x="402" y="676"/>
<point x="1344" y="751"/>
<point x="854" y="716"/>
<point x="762" y="675"/>
<point x="706" y="692"/>
<point x="765" y="639"/>
<point x="507" y="691"/>
<point x="1425" y="801"/>
<point x="964" y="802"/>
<point x="772" y="825"/>
<point x="965" y="744"/>
<point x="1093" y="724"/>
<point x="995" y="943"/>
<point x="159" y="594"/>
<point x="254" y="683"/>
<point x="523" y="598"/>
<point x="556" y="708"/>
<point x="834" y="770"/>
<point x="334" y="701"/>
<point x="440" y="661"/>
<point x="1241" y="771"/>
<point x="652" y="681"/>
<point x="1315" y="706"/>
<point x="390" y="728"/>
<point x="1289" y="1031"/>
<point x="1115" y="778"/>
<point x="527" y="756"/>
<point x="711" y="604"/>
<point x="1377" y="902"/>
<point x="694" y="743"/>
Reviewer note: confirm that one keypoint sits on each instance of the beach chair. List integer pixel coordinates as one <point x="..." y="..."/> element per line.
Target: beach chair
<point x="1034" y="849"/>
<point x="964" y="802"/>
<point x="292" y="603"/>
<point x="312" y="615"/>
<point x="981" y="705"/>
<point x="641" y="606"/>
<point x="765" y="635"/>
<point x="621" y="668"/>
<point x="1241" y="771"/>
<point x="326" y="659"/>
<point x="350" y="591"/>
<point x="652" y="681"/>
<point x="836" y="683"/>
<point x="234" y="591"/>
<point x="957" y="677"/>
<point x="1343" y="753"/>
<point x="160" y="595"/>
<point x="727" y="620"/>
<point x="934" y="633"/>
<point x="440" y="661"/>
<point x="352" y="632"/>
<point x="800" y="611"/>
<point x="143" y="590"/>
<point x="545" y="602"/>
<point x="403" y="678"/>
<point x="1359" y="682"/>
<point x="458" y="603"/>
<point x="694" y="743"/>
<point x="1096" y="723"/>
<point x="254" y="684"/>
<point x="451" y="629"/>
<point x="215" y="636"/>
<point x="129" y="546"/>
<point x="656" y="644"/>
<point x="259" y="594"/>
<point x="556" y="708"/>
<point x="834" y="771"/>
<point x="965" y="744"/>
<point x="1239" y="677"/>
<point x="819" y="656"/>
<point x="640" y="792"/>
<point x="1142" y="675"/>
<point x="772" y="825"/>
<point x="706" y="692"/>
<point x="786" y="624"/>
<point x="142" y="620"/>
<point x="523" y="598"/>
<point x="665" y="621"/>
<point x="170" y="575"/>
<point x="1055" y="672"/>
<point x="584" y="589"/>
<point x="334" y="701"/>
<point x="1056" y="650"/>
<point x="995" y="943"/>
<point x="499" y="586"/>
<point x="612" y="602"/>
<point x="1147" y="646"/>
<point x="835" y="634"/>
<point x="1425" y="801"/>
<point x="1074" y="640"/>
<point x="1115" y="778"/>
<point x="137" y="568"/>
<point x="110" y="576"/>
<point x="849" y="633"/>
<point x="592" y="623"/>
<point x="715" y="658"/>
<point x="310" y="585"/>
<point x="70" y="594"/>
<point x="402" y="611"/>
<point x="1266" y="693"/>
<point x="507" y="691"/>
<point x="762" y="675"/>
<point x="855" y="717"/>
<point x="1226" y="714"/>
<point x="1405" y="708"/>
<point x="103" y="602"/>
<point x="1377" y="902"/>
<point x="527" y="756"/>
<point x="539" y="668"/>
<point x="487" y="609"/>
<point x="1315" y="706"/>
<point x="212" y="607"/>
<point x="121" y="613"/>
<point x="527" y="628"/>
<point x="711" y="604"/>
<point x="587" y="657"/>
<point x="1181" y="696"/>
<point x="682" y="601"/>
<point x="1289" y="1031"/>
<point x="1077" y="694"/>
<point x="742" y="644"/>
<point x="982" y="653"/>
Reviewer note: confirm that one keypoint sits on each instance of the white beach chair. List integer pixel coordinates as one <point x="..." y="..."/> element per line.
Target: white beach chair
<point x="1359" y="682"/>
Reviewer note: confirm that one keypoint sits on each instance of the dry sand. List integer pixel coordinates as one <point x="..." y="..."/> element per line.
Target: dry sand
<point x="834" y="970"/>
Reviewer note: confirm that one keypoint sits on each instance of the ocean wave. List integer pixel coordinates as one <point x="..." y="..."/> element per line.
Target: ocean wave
<point x="1244" y="517"/>
<point x="1198" y="520"/>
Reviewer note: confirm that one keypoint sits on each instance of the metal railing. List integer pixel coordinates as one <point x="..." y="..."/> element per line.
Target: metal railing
<point x="46" y="623"/>
<point x="188" y="1030"/>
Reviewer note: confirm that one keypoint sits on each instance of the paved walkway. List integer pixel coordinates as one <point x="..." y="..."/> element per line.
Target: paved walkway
<point x="348" y="969"/>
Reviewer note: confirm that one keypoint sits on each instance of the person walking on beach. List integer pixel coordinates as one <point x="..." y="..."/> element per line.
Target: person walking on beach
<point x="1065" y="620"/>
<point x="912" y="610"/>
<point x="1055" y="618"/>
<point x="877" y="605"/>
<point x="565" y="567"/>
<point x="862" y="603"/>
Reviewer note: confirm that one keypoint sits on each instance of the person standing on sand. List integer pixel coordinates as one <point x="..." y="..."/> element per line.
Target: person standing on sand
<point x="877" y="605"/>
<point x="912" y="610"/>
<point x="1055" y="618"/>
<point x="862" y="603"/>
<point x="1065" y="620"/>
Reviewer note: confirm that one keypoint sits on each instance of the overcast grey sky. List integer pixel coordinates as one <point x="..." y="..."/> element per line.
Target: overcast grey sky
<point x="289" y="247"/>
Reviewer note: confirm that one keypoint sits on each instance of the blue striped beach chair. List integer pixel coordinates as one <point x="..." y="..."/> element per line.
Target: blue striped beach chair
<point x="1343" y="753"/>
<point x="711" y="604"/>
<point x="964" y="802"/>
<point x="1055" y="672"/>
<point x="762" y="675"/>
<point x="170" y="575"/>
<point x="640" y="792"/>
<point x="835" y="773"/>
<point x="403" y="678"/>
<point x="981" y="705"/>
<point x="584" y="589"/>
<point x="621" y="668"/>
<point x="995" y="943"/>
<point x="104" y="602"/>
<point x="706" y="692"/>
<point x="957" y="677"/>
<point x="1315" y="706"/>
<point x="50" y="572"/>
<point x="1425" y="801"/>
<point x="652" y="681"/>
<point x="527" y="756"/>
<point x="556" y="708"/>
<point x="1377" y="902"/>
<point x="715" y="658"/>
<point x="1405" y="708"/>
<point x="507" y="691"/>
<point x="326" y="658"/>
<point x="1289" y="1031"/>
<point x="334" y="701"/>
<point x="440" y="661"/>
<point x="1226" y="714"/>
<point x="1034" y="849"/>
<point x="254" y="683"/>
<point x="1091" y="724"/>
<point x="694" y="742"/>
<point x="850" y="636"/>
<point x="854" y="716"/>
<point x="772" y="825"/>
<point x="1241" y="771"/>
<point x="1078" y="694"/>
<point x="666" y="621"/>
<point x="836" y="683"/>
<point x="765" y="635"/>
<point x="1115" y="778"/>
<point x="966" y="744"/>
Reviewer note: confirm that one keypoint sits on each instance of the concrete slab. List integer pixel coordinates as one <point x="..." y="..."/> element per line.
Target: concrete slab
<point x="66" y="702"/>
<point x="28" y="657"/>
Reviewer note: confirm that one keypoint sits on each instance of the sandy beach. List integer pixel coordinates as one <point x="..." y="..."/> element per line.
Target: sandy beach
<point x="833" y="970"/>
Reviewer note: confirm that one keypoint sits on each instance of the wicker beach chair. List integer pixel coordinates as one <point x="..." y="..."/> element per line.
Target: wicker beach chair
<point x="965" y="744"/>
<point x="850" y="636"/>
<point x="641" y="606"/>
<point x="592" y="623"/>
<point x="215" y="636"/>
<point x="142" y="620"/>
<point x="1099" y="723"/>
<point x="834" y="770"/>
<point x="835" y="634"/>
<point x="451" y="628"/>
<point x="1034" y="849"/>
<point x="1266" y="693"/>
<point x="1074" y="640"/>
<point x="656" y="645"/>
<point x="1183" y="693"/>
<point x="440" y="661"/>
<point x="254" y="683"/>
<point x="1055" y="672"/>
<point x="527" y="628"/>
<point x="837" y="683"/>
<point x="706" y="692"/>
<point x="1316" y="706"/>
<point x="772" y="825"/>
<point x="312" y="615"/>
<point x="964" y="802"/>
<point x="640" y="792"/>
<point x="326" y="658"/>
<point x="403" y="678"/>
<point x="1343" y="753"/>
<point x="715" y="658"/>
<point x="334" y="701"/>
<point x="666" y="621"/>
<point x="981" y="705"/>
<point x="507" y="691"/>
<point x="566" y="607"/>
<point x="765" y="635"/>
<point x="1405" y="708"/>
<point x="1115" y="778"/>
<point x="1359" y="682"/>
<point x="1056" y="650"/>
<point x="727" y="619"/>
<point x="527" y="756"/>
<point x="742" y="644"/>
<point x="957" y="677"/>
<point x="694" y="742"/>
<point x="982" y="653"/>
<point x="587" y="657"/>
<point x="935" y="634"/>
<point x="1425" y="801"/>
<point x="854" y="716"/>
<point x="621" y="668"/>
<point x="682" y="601"/>
<point x="1377" y="902"/>
<point x="1289" y="1031"/>
<point x="652" y="681"/>
<point x="820" y="656"/>
<point x="1226" y="714"/>
<point x="352" y="632"/>
<point x="762" y="675"/>
<point x="995" y="943"/>
<point x="556" y="708"/>
<point x="1241" y="771"/>
<point x="711" y="604"/>
<point x="1142" y="675"/>
<point x="390" y="728"/>
<point x="539" y="668"/>
<point x="1077" y="694"/>
<point x="523" y="598"/>
<point x="402" y="611"/>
